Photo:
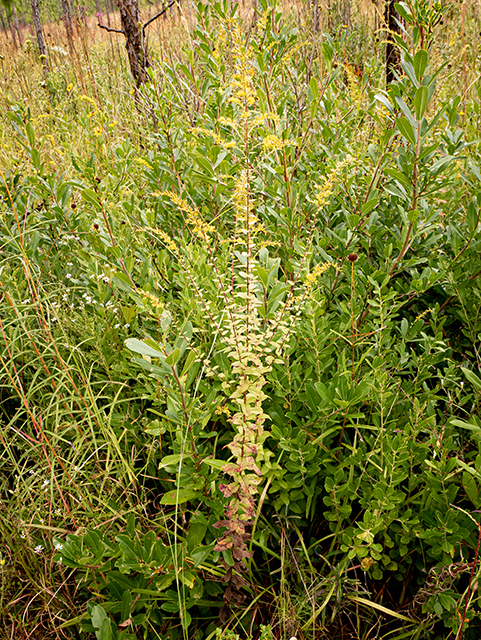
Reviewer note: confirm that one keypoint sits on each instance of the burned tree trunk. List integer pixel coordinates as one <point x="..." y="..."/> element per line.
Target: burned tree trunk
<point x="67" y="20"/>
<point x="17" y="26"/>
<point x="391" y="17"/>
<point x="132" y="29"/>
<point x="38" y="30"/>
<point x="12" y="30"/>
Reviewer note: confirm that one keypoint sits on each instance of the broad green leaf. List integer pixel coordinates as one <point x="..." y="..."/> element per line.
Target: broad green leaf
<point x="170" y="461"/>
<point x="472" y="377"/>
<point x="137" y="346"/>
<point x="216" y="464"/>
<point x="173" y="358"/>
<point x="420" y="63"/>
<point x="179" y="496"/>
<point x="30" y="133"/>
<point x="420" y="101"/>
<point x="200" y="554"/>
<point x="189" y="361"/>
<point x="91" y="197"/>
<point x="406" y="129"/>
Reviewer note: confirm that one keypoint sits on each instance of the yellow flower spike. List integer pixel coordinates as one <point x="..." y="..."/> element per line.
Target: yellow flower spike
<point x="166" y="239"/>
<point x="318" y="270"/>
<point x="227" y="144"/>
<point x="193" y="216"/>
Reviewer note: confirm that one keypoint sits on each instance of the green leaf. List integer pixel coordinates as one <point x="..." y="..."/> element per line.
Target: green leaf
<point x="189" y="361"/>
<point x="406" y="129"/>
<point x="91" y="197"/>
<point x="314" y="88"/>
<point x="472" y="377"/>
<point x="173" y="358"/>
<point x="420" y="63"/>
<point x="137" y="346"/>
<point x="200" y="554"/>
<point x="170" y="461"/>
<point x="179" y="496"/>
<point x="369" y="205"/>
<point x="420" y="101"/>
<point x="30" y="133"/>
<point x="216" y="464"/>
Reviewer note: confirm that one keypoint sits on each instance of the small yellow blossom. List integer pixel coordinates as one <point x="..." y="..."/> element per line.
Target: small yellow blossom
<point x="220" y="410"/>
<point x="150" y="297"/>
<point x="421" y="315"/>
<point x="242" y="82"/>
<point x="227" y="122"/>
<point x="318" y="270"/>
<point x="327" y="188"/>
<point x="87" y="99"/>
<point x="271" y="142"/>
<point x="144" y="162"/>
<point x="97" y="132"/>
<point x="227" y="144"/>
<point x="262" y="23"/>
<point x="69" y="87"/>
<point x="113" y="124"/>
<point x="166" y="239"/>
<point x="192" y="215"/>
<point x="268" y="243"/>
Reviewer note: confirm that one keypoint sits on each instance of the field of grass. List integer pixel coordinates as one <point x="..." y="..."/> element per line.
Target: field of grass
<point x="240" y="329"/>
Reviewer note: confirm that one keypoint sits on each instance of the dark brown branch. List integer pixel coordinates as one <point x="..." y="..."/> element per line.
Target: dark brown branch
<point x="109" y="29"/>
<point x="171" y="4"/>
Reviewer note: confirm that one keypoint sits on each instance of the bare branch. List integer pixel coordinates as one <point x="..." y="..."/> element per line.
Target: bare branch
<point x="109" y="29"/>
<point x="171" y="4"/>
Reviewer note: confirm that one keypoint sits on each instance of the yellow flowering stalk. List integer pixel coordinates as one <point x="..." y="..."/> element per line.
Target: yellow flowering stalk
<point x="318" y="270"/>
<point x="166" y="239"/>
<point x="242" y="85"/>
<point x="192" y="216"/>
<point x="227" y="144"/>
<point x="326" y="189"/>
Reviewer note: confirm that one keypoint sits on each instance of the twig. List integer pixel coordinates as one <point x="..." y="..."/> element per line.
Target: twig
<point x="171" y="4"/>
<point x="109" y="29"/>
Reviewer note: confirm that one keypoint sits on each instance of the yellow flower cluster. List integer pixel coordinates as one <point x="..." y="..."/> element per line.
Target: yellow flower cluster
<point x="326" y="189"/>
<point x="219" y="43"/>
<point x="87" y="99"/>
<point x="242" y="199"/>
<point x="262" y="23"/>
<point x="192" y="215"/>
<point x="227" y="144"/>
<point x="290" y="54"/>
<point x="243" y="93"/>
<point x="353" y="84"/>
<point x="421" y="315"/>
<point x="220" y="410"/>
<point x="166" y="239"/>
<point x="318" y="270"/>
<point x="144" y="162"/>
<point x="149" y="297"/>
<point x="271" y="141"/>
<point x="227" y="122"/>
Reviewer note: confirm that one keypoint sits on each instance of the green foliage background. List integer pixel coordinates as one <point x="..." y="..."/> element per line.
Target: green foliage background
<point x="262" y="232"/>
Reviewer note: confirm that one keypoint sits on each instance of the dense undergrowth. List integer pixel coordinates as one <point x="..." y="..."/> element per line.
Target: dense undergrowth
<point x="240" y="323"/>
